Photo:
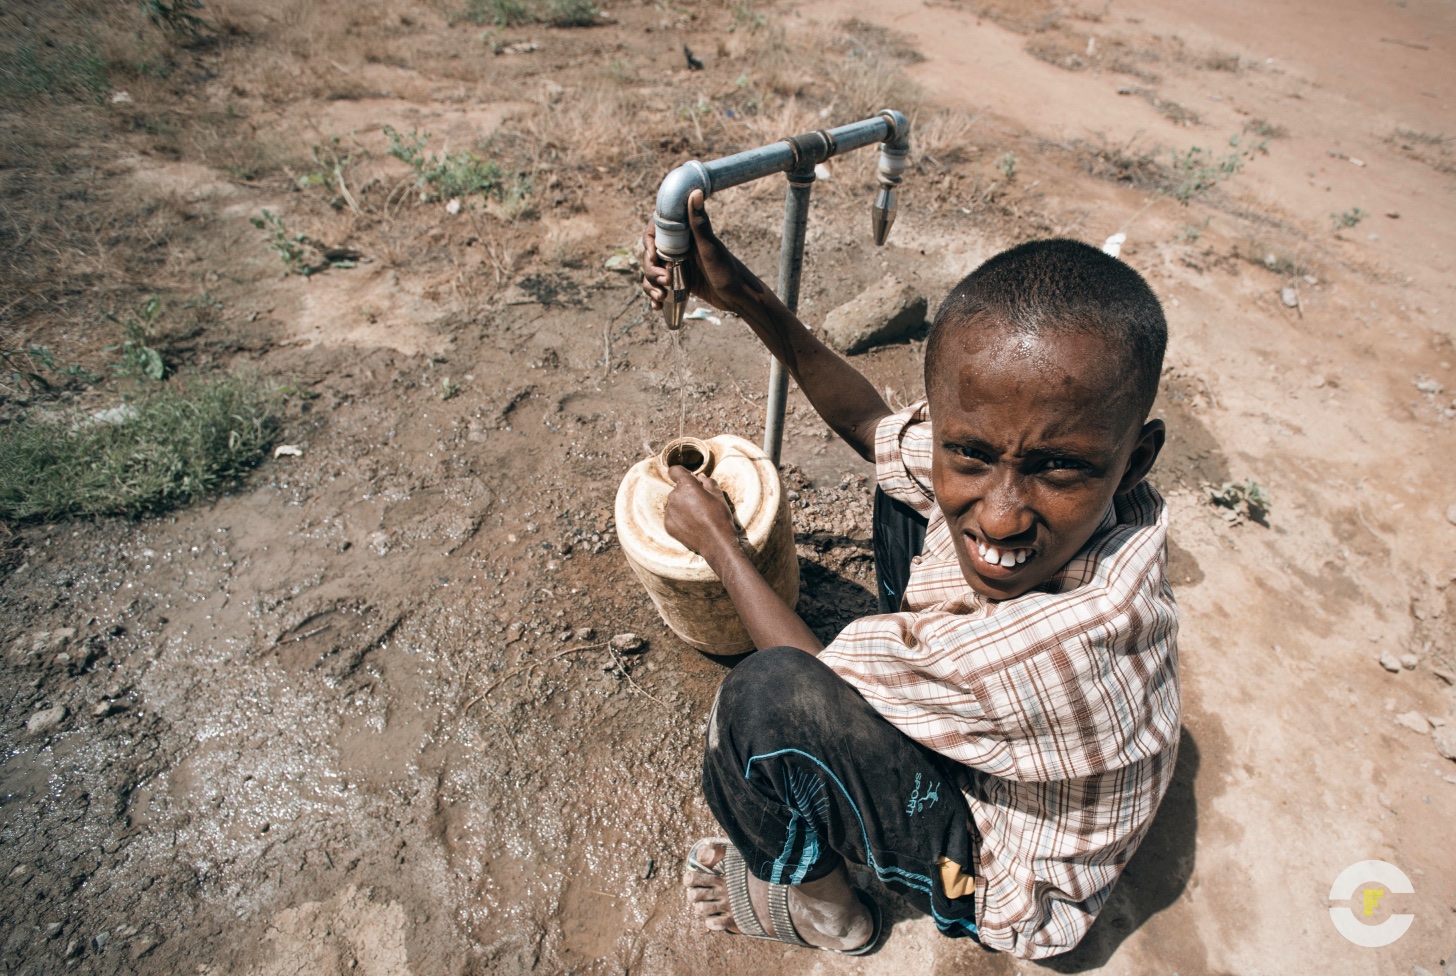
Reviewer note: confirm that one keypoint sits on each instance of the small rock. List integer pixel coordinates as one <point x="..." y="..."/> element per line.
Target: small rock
<point x="453" y="207"/>
<point x="74" y="948"/>
<point x="1451" y="515"/>
<point x="287" y="450"/>
<point x="381" y="542"/>
<point x="1317" y="382"/>
<point x="45" y="720"/>
<point x="649" y="870"/>
<point x="1414" y="721"/>
<point x="105" y="708"/>
<point x="621" y="262"/>
<point x="564" y="636"/>
<point x="1390" y="662"/>
<point x="20" y="870"/>
<point x="1289" y="297"/>
<point x="884" y="312"/>
<point x="1445" y="739"/>
<point x="53" y="929"/>
<point x="99" y="940"/>
<point x="1409" y="661"/>
<point x="142" y="946"/>
<point x="61" y="636"/>
<point x="584" y="633"/>
<point x="1444" y="675"/>
<point x="1428" y="386"/>
<point x="628" y="644"/>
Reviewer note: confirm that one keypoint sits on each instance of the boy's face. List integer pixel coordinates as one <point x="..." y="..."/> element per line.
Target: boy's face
<point x="1033" y="438"/>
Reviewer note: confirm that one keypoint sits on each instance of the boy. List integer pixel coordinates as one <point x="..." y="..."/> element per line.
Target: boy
<point x="995" y="744"/>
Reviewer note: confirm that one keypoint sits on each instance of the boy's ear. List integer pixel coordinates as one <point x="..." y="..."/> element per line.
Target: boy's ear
<point x="1144" y="453"/>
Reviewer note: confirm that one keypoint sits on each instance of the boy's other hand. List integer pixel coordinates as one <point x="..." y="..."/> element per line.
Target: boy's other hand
<point x="698" y="515"/>
<point x="712" y="271"/>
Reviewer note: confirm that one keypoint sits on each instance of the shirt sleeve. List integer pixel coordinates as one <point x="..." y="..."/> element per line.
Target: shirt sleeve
<point x="903" y="452"/>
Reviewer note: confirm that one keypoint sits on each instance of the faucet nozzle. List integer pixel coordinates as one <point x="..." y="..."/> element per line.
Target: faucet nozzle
<point x="883" y="214"/>
<point x="677" y="298"/>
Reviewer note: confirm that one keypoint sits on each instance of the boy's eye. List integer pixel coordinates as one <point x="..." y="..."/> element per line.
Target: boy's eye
<point x="969" y="453"/>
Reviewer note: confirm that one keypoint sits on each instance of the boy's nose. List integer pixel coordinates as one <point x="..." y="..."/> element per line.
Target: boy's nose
<point x="1003" y="515"/>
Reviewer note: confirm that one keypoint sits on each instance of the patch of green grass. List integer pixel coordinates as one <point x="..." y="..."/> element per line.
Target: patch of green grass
<point x="1007" y="165"/>
<point x="30" y="72"/>
<point x="1347" y="218"/>
<point x="25" y="369"/>
<point x="508" y="13"/>
<point x="174" y="443"/>
<point x="175" y="17"/>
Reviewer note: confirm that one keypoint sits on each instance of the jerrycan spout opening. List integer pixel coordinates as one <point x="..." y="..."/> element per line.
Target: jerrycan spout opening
<point x="689" y="452"/>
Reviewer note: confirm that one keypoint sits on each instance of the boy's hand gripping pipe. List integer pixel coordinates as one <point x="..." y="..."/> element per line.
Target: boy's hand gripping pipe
<point x="797" y="156"/>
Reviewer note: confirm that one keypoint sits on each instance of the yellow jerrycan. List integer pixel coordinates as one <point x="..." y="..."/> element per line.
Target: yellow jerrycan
<point x="687" y="594"/>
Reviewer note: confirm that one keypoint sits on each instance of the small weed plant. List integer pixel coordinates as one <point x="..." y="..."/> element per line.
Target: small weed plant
<point x="1007" y="165"/>
<point x="1241" y="498"/>
<point x="173" y="443"/>
<point x="1347" y="218"/>
<point x="25" y="369"/>
<point x="293" y="250"/>
<point x="457" y="174"/>
<point x="139" y="358"/>
<point x="1199" y="170"/>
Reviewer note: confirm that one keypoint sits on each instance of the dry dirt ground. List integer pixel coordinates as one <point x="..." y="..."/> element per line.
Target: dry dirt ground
<point x="358" y="724"/>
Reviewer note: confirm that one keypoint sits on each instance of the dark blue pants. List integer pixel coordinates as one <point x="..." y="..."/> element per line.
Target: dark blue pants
<point x="802" y="773"/>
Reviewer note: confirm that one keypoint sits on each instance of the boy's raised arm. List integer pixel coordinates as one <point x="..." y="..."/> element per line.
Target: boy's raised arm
<point x="846" y="400"/>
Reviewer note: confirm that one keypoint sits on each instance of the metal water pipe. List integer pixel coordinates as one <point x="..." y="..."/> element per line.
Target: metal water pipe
<point x="797" y="156"/>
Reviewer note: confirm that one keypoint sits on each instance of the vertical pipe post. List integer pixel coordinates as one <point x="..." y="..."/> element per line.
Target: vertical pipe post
<point x="791" y="265"/>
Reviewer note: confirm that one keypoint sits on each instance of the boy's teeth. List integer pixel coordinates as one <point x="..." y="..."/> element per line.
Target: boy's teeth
<point x="1021" y="555"/>
<point x="992" y="554"/>
<point x="1008" y="559"/>
<point x="982" y="546"/>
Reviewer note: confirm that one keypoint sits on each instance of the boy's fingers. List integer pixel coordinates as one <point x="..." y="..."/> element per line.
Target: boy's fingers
<point x="702" y="227"/>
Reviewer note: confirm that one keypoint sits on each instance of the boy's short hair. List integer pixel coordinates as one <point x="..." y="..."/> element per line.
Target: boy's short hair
<point x="1053" y="286"/>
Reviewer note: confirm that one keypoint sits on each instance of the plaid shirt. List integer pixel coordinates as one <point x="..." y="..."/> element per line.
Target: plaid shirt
<point x="1062" y="703"/>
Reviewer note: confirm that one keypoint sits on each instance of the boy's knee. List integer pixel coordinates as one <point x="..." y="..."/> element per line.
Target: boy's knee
<point x="771" y="692"/>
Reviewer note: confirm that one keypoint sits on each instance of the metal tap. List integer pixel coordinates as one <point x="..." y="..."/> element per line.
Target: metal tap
<point x="796" y="155"/>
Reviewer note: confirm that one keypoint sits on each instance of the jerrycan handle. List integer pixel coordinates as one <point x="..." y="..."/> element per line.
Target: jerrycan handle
<point x="693" y="454"/>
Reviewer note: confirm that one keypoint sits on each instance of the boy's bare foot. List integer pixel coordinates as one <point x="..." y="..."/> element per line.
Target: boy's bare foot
<point x="826" y="913"/>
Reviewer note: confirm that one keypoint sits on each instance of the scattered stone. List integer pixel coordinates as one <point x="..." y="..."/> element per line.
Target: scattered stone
<point x="1409" y="661"/>
<point x="53" y="929"/>
<point x="1289" y="297"/>
<point x="1414" y="721"/>
<point x="1445" y="739"/>
<point x="1428" y="386"/>
<point x="564" y="636"/>
<point x="584" y="633"/>
<point x="106" y="708"/>
<point x="45" y="720"/>
<point x="628" y="644"/>
<point x="1317" y="382"/>
<point x="99" y="940"/>
<point x="1390" y="662"/>
<point x="649" y="870"/>
<point x="1444" y="675"/>
<point x="380" y="542"/>
<point x="287" y="450"/>
<point x="20" y="870"/>
<point x="621" y="262"/>
<point x="74" y="948"/>
<point x="884" y="312"/>
<point x="143" y="946"/>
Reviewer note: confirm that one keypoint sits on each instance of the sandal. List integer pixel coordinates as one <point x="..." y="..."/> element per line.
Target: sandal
<point x="735" y="870"/>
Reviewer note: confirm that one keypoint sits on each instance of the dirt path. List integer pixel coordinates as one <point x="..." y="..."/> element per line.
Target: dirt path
<point x="356" y="717"/>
